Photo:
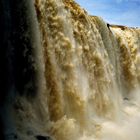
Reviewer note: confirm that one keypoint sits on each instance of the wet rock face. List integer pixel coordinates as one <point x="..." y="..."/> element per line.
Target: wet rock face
<point x="23" y="49"/>
<point x="16" y="48"/>
<point x="39" y="137"/>
<point x="1" y="131"/>
<point x="17" y="60"/>
<point x="11" y="137"/>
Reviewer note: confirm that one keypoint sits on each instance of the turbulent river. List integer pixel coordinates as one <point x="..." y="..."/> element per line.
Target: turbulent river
<point x="88" y="77"/>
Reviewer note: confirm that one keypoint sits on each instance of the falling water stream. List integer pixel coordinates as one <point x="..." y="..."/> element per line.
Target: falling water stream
<point x="89" y="79"/>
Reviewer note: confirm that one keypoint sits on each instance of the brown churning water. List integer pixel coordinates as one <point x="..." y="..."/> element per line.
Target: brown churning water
<point x="91" y="76"/>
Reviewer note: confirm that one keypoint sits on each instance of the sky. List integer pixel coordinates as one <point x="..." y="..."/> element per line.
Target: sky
<point x="120" y="12"/>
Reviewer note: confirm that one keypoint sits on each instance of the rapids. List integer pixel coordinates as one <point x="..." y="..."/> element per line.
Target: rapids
<point x="89" y="77"/>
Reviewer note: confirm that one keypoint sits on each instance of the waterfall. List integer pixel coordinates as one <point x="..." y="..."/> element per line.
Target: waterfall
<point x="88" y="77"/>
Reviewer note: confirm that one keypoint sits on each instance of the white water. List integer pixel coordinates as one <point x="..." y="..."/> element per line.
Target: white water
<point x="92" y="75"/>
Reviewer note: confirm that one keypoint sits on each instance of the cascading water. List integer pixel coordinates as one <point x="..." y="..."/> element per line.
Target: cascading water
<point x="89" y="78"/>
